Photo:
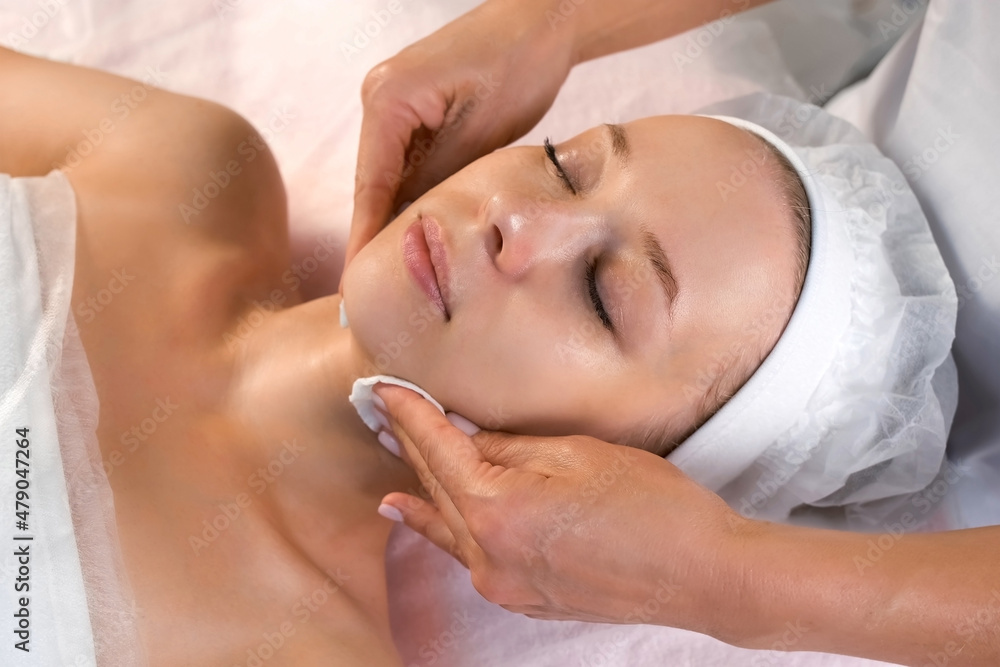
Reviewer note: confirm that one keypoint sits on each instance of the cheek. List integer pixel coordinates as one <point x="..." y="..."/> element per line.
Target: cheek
<point x="521" y="373"/>
<point x="381" y="310"/>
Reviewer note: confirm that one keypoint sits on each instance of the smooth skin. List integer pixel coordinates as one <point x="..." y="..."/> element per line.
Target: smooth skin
<point x="930" y="599"/>
<point x="522" y="347"/>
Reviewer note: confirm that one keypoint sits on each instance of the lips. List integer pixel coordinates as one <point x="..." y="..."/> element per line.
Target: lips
<point x="425" y="258"/>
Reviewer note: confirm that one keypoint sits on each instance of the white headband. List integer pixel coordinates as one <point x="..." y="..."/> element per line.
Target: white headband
<point x="854" y="402"/>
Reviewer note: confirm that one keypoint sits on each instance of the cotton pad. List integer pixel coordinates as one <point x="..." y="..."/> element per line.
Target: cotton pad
<point x="343" y="314"/>
<point x="362" y="397"/>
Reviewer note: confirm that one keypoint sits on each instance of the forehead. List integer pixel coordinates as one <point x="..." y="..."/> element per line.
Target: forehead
<point x="713" y="195"/>
<point x="695" y="148"/>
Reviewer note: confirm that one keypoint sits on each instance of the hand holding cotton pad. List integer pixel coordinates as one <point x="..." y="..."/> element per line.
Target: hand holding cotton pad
<point x="363" y="399"/>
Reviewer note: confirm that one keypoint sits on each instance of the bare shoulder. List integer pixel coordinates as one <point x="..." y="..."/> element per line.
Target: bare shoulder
<point x="181" y="195"/>
<point x="148" y="166"/>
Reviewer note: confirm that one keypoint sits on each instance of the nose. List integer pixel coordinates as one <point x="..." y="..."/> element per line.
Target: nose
<point x="524" y="233"/>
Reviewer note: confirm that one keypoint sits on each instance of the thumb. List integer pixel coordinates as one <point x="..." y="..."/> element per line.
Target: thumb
<point x="497" y="447"/>
<point x="386" y="127"/>
<point x="540" y="455"/>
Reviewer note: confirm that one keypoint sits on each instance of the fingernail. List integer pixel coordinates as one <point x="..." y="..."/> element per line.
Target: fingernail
<point x="379" y="403"/>
<point x="383" y="421"/>
<point x="389" y="441"/>
<point x="462" y="424"/>
<point x="390" y="512"/>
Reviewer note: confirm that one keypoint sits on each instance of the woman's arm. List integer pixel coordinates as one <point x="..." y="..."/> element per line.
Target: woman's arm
<point x="165" y="185"/>
<point x="56" y="115"/>
<point x="150" y="167"/>
<point x="602" y="28"/>
<point x="916" y="599"/>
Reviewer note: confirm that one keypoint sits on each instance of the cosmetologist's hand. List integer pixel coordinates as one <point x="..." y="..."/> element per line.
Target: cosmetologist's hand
<point x="575" y="528"/>
<point x="476" y="84"/>
<point x="565" y="527"/>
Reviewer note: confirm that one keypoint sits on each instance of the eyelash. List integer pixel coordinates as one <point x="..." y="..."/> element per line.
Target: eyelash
<point x="595" y="296"/>
<point x="550" y="151"/>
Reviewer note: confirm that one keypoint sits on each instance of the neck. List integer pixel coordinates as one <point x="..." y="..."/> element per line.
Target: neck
<point x="318" y="472"/>
<point x="293" y="377"/>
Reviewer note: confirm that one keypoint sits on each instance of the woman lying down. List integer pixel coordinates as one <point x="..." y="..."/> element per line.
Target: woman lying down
<point x="652" y="284"/>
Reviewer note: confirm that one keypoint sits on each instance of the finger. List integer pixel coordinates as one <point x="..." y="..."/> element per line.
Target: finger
<point x="385" y="135"/>
<point x="540" y="455"/>
<point x="412" y="455"/>
<point x="425" y="519"/>
<point x="431" y="487"/>
<point x="546" y="613"/>
<point x="449" y="455"/>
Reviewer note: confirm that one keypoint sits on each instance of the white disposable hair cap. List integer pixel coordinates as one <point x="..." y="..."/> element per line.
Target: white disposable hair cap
<point x="854" y="402"/>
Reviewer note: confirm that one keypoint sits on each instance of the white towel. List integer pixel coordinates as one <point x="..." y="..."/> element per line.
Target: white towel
<point x="73" y="576"/>
<point x="56" y="629"/>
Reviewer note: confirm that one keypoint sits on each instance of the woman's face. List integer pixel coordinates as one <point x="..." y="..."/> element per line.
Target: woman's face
<point x="600" y="311"/>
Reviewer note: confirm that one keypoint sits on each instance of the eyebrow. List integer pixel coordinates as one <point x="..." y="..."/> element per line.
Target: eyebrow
<point x="619" y="142"/>
<point x="651" y="246"/>
<point x="661" y="265"/>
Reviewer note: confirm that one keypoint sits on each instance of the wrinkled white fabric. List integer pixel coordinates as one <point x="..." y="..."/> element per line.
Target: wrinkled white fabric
<point x="854" y="402"/>
<point x="79" y="601"/>
<point x="931" y="106"/>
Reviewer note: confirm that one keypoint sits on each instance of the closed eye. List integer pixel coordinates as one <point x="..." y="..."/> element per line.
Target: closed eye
<point x="550" y="151"/>
<point x="595" y="296"/>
